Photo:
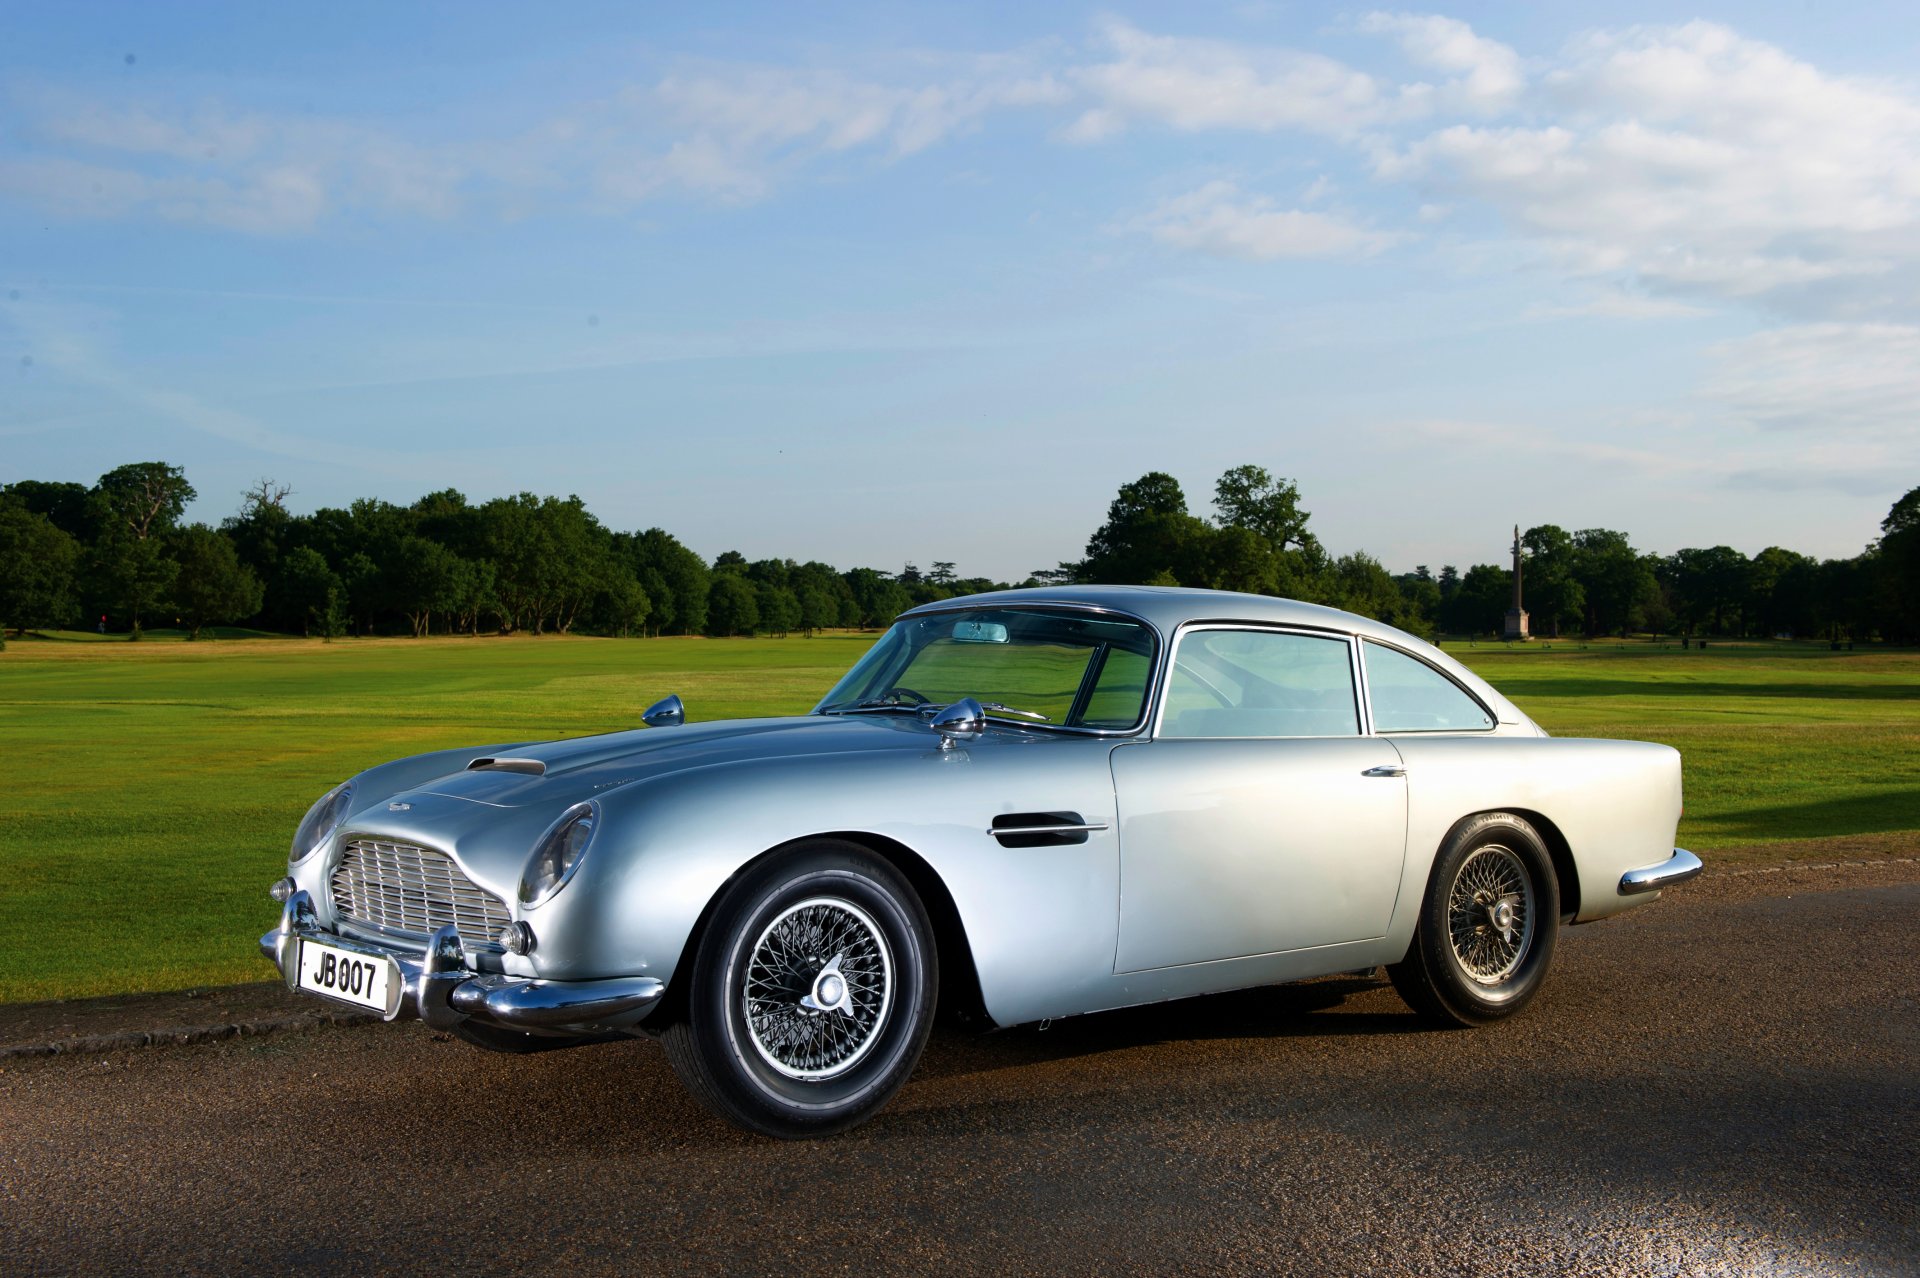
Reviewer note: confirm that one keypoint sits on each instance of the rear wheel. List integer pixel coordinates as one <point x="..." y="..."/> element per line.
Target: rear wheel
<point x="1487" y="926"/>
<point x="811" y="993"/>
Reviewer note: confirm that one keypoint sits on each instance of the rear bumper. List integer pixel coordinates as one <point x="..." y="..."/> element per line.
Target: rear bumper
<point x="1678" y="868"/>
<point x="439" y="988"/>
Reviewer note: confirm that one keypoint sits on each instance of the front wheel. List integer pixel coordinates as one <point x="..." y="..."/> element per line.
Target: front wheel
<point x="811" y="993"/>
<point x="1487" y="926"/>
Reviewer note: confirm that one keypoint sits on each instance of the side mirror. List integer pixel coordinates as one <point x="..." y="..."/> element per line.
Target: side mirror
<point x="665" y="714"/>
<point x="964" y="720"/>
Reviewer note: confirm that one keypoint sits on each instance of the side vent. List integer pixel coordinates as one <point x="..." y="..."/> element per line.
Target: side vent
<point x="1042" y="829"/>
<point x="532" y="767"/>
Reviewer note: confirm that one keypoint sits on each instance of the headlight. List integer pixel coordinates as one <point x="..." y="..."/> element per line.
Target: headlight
<point x="322" y="819"/>
<point x="559" y="852"/>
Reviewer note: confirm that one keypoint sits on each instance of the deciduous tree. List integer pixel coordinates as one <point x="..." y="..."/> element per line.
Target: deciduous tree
<point x="212" y="587"/>
<point x="37" y="563"/>
<point x="732" y="607"/>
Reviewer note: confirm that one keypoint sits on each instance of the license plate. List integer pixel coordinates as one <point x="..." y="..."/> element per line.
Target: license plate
<point x="342" y="974"/>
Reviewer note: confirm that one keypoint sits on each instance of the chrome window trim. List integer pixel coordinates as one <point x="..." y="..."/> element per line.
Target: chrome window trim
<point x="1185" y="628"/>
<point x="1157" y="667"/>
<point x="1493" y="720"/>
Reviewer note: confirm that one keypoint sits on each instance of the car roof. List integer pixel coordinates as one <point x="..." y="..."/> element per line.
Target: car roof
<point x="1166" y="608"/>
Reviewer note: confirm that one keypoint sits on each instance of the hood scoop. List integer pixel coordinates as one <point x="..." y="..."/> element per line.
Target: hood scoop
<point x="531" y="767"/>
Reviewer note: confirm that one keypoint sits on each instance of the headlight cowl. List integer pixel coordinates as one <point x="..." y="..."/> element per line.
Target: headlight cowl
<point x="559" y="853"/>
<point x="322" y="819"/>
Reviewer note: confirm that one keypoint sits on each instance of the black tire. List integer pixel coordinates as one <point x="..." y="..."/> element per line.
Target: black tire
<point x="785" y="1070"/>
<point x="1463" y="968"/>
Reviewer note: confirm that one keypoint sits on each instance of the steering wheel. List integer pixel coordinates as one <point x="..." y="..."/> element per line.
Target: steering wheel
<point x="917" y="698"/>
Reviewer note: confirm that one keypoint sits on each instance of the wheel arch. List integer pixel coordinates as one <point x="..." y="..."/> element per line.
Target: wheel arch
<point x="1565" y="869"/>
<point x="1566" y="872"/>
<point x="959" y="995"/>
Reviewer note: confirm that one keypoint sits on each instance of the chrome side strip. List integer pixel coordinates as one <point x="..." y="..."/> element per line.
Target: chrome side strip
<point x="1678" y="868"/>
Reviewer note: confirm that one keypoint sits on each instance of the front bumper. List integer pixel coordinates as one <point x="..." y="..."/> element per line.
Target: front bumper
<point x="439" y="988"/>
<point x="1678" y="868"/>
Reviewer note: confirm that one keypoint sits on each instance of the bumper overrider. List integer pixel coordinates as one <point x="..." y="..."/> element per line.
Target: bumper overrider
<point x="1678" y="868"/>
<point x="439" y="988"/>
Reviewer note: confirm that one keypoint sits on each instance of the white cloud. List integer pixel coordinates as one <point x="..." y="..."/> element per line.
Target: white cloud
<point x="1672" y="165"/>
<point x="1194" y="84"/>
<point x="1498" y="439"/>
<point x="725" y="132"/>
<point x="253" y="173"/>
<point x="1696" y="161"/>
<point x="1686" y="453"/>
<point x="1219" y="220"/>
<point x="1859" y="380"/>
<point x="1615" y="304"/>
<point x="1490" y="72"/>
<point x="763" y="109"/>
<point x="273" y="199"/>
<point x="738" y="131"/>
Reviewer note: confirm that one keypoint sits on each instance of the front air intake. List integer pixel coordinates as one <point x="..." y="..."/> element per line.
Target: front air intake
<point x="413" y="891"/>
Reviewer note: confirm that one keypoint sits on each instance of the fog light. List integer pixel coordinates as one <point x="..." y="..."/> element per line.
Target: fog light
<point x="282" y="891"/>
<point x="516" y="938"/>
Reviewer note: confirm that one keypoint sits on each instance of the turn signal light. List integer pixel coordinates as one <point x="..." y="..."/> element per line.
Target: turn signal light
<point x="516" y="938"/>
<point x="282" y="891"/>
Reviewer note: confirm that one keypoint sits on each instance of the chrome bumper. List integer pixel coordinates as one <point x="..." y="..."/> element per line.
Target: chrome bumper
<point x="439" y="988"/>
<point x="1678" y="868"/>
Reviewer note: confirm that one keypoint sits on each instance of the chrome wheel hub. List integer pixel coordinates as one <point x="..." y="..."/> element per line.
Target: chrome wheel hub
<point x="817" y="989"/>
<point x="1501" y="915"/>
<point x="830" y="990"/>
<point x="1490" y="915"/>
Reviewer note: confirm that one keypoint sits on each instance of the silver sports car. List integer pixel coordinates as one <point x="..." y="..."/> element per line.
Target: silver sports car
<point x="1025" y="805"/>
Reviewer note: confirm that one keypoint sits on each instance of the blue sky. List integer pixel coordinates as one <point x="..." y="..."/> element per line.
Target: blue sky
<point x="878" y="283"/>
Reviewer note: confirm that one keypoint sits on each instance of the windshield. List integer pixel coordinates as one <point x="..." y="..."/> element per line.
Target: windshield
<point x="1037" y="667"/>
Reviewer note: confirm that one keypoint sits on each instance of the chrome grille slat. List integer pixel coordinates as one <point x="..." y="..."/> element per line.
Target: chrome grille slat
<point x="403" y="888"/>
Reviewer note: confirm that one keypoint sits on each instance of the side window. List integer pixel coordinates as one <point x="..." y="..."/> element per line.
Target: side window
<point x="1409" y="695"/>
<point x="1260" y="683"/>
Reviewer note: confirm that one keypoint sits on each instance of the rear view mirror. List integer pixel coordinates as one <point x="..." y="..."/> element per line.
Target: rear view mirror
<point x="979" y="632"/>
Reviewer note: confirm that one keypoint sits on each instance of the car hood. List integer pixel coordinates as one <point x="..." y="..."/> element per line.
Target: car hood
<point x="560" y="773"/>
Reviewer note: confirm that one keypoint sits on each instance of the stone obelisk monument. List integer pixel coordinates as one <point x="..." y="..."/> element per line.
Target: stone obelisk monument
<point x="1516" y="623"/>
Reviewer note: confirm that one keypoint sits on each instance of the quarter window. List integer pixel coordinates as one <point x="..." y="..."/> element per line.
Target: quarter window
<point x="1261" y="683"/>
<point x="1408" y="695"/>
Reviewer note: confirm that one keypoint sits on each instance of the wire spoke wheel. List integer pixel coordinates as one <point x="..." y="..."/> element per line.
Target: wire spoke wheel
<point x="1490" y="914"/>
<point x="817" y="988"/>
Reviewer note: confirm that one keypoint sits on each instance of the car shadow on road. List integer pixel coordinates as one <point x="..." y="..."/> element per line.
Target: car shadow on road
<point x="1274" y="1011"/>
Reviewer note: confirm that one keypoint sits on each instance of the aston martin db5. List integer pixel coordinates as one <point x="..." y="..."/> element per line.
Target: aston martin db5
<point x="1021" y="805"/>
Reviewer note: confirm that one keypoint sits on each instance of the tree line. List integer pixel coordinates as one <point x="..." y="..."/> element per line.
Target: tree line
<point x="1590" y="582"/>
<point x="118" y="555"/>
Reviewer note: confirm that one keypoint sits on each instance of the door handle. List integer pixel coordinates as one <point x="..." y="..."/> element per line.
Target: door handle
<point x="1385" y="770"/>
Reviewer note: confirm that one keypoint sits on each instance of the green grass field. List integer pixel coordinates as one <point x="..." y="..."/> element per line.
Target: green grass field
<point x="150" y="789"/>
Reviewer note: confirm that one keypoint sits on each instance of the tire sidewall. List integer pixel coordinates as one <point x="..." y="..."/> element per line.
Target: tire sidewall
<point x="1470" y="1001"/>
<point x="772" y="1100"/>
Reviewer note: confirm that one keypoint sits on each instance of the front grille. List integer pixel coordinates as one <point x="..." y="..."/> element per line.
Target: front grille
<point x="403" y="888"/>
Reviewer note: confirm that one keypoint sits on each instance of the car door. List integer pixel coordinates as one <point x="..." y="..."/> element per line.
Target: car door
<point x="1258" y="818"/>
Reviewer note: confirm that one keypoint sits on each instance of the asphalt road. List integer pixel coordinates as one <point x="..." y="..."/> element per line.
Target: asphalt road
<point x="1724" y="1082"/>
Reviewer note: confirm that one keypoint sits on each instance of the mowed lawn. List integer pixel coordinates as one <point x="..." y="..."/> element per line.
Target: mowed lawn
<point x="150" y="790"/>
<point x="1781" y="741"/>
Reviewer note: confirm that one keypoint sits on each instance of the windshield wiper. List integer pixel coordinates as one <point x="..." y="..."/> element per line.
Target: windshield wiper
<point x="997" y="708"/>
<point x="871" y="705"/>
